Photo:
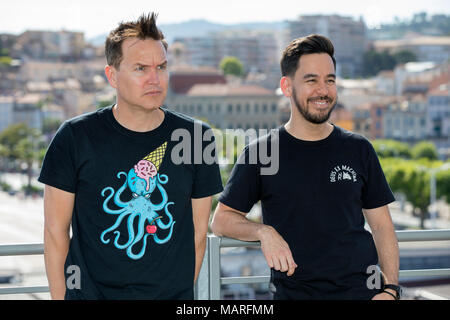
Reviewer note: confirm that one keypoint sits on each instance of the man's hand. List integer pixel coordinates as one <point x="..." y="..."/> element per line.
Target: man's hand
<point x="232" y="223"/>
<point x="276" y="251"/>
<point x="383" y="296"/>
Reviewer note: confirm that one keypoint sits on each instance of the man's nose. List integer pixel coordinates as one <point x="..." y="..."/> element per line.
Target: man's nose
<point x="322" y="89"/>
<point x="152" y="77"/>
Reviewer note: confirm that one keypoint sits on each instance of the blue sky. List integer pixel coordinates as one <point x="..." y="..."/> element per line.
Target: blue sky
<point x="96" y="17"/>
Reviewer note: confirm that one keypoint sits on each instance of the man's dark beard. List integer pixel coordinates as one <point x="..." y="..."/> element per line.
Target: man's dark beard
<point x="316" y="119"/>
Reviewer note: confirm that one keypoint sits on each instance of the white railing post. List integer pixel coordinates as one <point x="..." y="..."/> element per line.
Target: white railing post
<point x="201" y="289"/>
<point x="214" y="267"/>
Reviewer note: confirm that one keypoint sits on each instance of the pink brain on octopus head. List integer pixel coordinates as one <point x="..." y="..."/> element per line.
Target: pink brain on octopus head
<point x="145" y="169"/>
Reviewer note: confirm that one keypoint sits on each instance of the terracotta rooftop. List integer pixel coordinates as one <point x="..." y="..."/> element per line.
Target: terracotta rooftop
<point x="184" y="78"/>
<point x="443" y="90"/>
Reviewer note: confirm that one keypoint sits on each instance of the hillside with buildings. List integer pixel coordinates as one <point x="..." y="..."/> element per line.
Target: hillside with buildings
<point x="54" y="75"/>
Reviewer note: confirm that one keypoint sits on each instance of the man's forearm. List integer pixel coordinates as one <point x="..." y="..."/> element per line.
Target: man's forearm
<point x="55" y="253"/>
<point x="388" y="253"/>
<point x="200" y="246"/>
<point x="237" y="226"/>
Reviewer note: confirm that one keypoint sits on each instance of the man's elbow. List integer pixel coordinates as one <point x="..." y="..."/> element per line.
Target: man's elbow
<point x="54" y="235"/>
<point x="216" y="223"/>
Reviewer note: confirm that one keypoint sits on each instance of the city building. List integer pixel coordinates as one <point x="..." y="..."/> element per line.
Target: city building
<point x="230" y="106"/>
<point x="425" y="48"/>
<point x="368" y="118"/>
<point x="406" y="119"/>
<point x="50" y="45"/>
<point x="361" y="119"/>
<point x="6" y="111"/>
<point x="27" y="110"/>
<point x="183" y="78"/>
<point x="342" y="117"/>
<point x="439" y="112"/>
<point x="348" y="37"/>
<point x="413" y="75"/>
<point x="353" y="93"/>
<point x="258" y="51"/>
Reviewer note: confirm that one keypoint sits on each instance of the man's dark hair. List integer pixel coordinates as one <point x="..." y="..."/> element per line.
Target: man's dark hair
<point x="313" y="43"/>
<point x="143" y="28"/>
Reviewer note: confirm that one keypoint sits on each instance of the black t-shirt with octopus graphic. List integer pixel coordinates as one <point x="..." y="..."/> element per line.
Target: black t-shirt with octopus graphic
<point x="132" y="223"/>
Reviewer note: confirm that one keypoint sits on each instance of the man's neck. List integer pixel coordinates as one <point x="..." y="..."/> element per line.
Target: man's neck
<point x="302" y="129"/>
<point x="138" y="119"/>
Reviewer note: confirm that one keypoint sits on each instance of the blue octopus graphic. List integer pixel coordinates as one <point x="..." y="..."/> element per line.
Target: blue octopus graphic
<point x="140" y="207"/>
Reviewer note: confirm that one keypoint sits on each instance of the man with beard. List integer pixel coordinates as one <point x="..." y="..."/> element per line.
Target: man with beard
<point x="314" y="208"/>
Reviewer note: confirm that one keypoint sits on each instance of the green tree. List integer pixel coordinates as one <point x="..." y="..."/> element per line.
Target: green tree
<point x="412" y="178"/>
<point x="104" y="103"/>
<point x="425" y="149"/>
<point x="50" y="125"/>
<point x="232" y="66"/>
<point x="24" y="145"/>
<point x="404" y="56"/>
<point x="443" y="185"/>
<point x="375" y="62"/>
<point x="391" y="148"/>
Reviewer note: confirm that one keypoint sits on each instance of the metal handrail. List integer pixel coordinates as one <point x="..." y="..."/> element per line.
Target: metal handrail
<point x="215" y="243"/>
<point x="210" y="280"/>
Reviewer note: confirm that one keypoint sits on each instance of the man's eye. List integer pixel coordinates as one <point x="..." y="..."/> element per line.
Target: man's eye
<point x="135" y="195"/>
<point x="147" y="196"/>
<point x="162" y="67"/>
<point x="140" y="68"/>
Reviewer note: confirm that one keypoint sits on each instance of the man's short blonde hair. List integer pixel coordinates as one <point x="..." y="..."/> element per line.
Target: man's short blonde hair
<point x="143" y="28"/>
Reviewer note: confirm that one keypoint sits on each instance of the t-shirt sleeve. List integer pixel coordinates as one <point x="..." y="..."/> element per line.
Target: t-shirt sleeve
<point x="207" y="181"/>
<point x="59" y="168"/>
<point x="243" y="188"/>
<point x="376" y="191"/>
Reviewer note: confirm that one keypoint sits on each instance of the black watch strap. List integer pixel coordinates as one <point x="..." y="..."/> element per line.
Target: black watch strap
<point x="396" y="288"/>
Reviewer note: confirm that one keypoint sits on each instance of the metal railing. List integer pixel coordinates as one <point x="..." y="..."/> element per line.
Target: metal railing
<point x="209" y="281"/>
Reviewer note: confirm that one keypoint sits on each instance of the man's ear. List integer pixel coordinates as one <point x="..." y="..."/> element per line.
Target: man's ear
<point x="110" y="73"/>
<point x="286" y="86"/>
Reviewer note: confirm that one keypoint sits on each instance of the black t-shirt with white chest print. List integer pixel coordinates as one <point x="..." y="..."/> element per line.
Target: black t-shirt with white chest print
<point x="133" y="232"/>
<point x="315" y="202"/>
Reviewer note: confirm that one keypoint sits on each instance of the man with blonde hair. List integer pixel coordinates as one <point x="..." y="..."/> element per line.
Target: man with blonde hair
<point x="139" y="220"/>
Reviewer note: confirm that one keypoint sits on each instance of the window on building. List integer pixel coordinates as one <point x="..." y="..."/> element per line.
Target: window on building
<point x="379" y="112"/>
<point x="274" y="107"/>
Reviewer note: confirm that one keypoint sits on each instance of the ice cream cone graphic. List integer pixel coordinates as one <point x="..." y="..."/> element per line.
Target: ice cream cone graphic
<point x="157" y="155"/>
<point x="148" y="167"/>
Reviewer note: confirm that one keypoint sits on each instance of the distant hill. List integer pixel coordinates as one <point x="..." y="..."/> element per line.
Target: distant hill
<point x="201" y="28"/>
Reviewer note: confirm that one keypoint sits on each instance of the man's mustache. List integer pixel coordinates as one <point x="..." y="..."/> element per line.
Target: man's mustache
<point x="326" y="98"/>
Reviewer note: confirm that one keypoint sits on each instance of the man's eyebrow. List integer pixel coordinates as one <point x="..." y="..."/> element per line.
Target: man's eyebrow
<point x="310" y="75"/>
<point x="313" y="75"/>
<point x="146" y="65"/>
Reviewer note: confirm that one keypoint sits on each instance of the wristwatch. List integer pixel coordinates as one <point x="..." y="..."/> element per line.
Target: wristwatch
<point x="396" y="288"/>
